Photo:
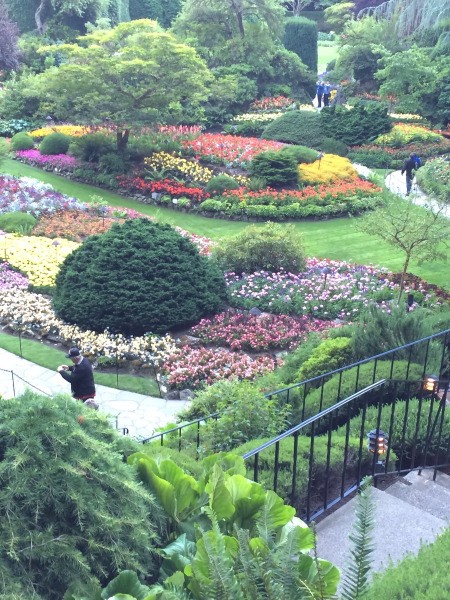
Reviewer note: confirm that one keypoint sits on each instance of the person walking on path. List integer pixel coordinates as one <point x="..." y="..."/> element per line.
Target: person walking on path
<point x="319" y="91"/>
<point x="81" y="378"/>
<point x="326" y="93"/>
<point x="408" y="166"/>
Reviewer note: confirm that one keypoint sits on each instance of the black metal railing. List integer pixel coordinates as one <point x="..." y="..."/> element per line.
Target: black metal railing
<point x="318" y="463"/>
<point x="412" y="361"/>
<point x="10" y="390"/>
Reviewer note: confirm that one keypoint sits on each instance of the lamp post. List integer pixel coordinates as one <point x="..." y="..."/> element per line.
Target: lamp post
<point x="55" y="244"/>
<point x="377" y="444"/>
<point x="325" y="272"/>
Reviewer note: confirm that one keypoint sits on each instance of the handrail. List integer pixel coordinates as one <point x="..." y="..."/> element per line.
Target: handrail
<point x="311" y="420"/>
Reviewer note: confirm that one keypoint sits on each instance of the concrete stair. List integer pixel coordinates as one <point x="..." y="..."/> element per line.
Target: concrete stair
<point x="411" y="512"/>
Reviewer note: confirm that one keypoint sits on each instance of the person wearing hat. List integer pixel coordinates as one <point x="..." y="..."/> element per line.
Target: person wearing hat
<point x="80" y="376"/>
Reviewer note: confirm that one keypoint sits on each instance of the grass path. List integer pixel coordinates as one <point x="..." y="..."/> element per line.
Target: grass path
<point x="335" y="238"/>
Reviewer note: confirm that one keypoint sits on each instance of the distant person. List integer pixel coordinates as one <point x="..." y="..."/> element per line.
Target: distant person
<point x="326" y="93"/>
<point x="319" y="92"/>
<point x="81" y="378"/>
<point x="408" y="167"/>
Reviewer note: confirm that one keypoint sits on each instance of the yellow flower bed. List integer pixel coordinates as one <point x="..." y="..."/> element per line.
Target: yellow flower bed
<point x="39" y="258"/>
<point x="326" y="170"/>
<point x="262" y="117"/>
<point x="71" y="130"/>
<point x="164" y="162"/>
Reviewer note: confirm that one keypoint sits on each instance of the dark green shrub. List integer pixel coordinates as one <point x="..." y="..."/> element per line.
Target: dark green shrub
<point x="270" y="248"/>
<point x="137" y="277"/>
<point x="375" y="158"/>
<point x="22" y="141"/>
<point x="358" y="125"/>
<point x="341" y="386"/>
<point x="300" y="36"/>
<point x="329" y="355"/>
<point x="145" y="145"/>
<point x="73" y="512"/>
<point x="275" y="168"/>
<point x="114" y="164"/>
<point x="92" y="146"/>
<point x="217" y="185"/>
<point x="17" y="222"/>
<point x="145" y="9"/>
<point x="296" y="127"/>
<point x="332" y="146"/>
<point x="301" y="154"/>
<point x="55" y="143"/>
<point x="379" y="331"/>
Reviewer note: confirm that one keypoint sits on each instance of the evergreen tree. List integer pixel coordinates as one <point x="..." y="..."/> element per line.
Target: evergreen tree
<point x="71" y="511"/>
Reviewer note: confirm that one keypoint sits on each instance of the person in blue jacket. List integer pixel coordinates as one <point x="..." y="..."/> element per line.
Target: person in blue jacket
<point x="319" y="91"/>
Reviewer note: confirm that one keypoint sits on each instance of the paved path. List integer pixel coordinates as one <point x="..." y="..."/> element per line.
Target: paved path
<point x="140" y="414"/>
<point x="396" y="182"/>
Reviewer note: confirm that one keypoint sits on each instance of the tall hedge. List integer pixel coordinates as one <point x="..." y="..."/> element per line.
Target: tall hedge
<point x="300" y="36"/>
<point x="136" y="278"/>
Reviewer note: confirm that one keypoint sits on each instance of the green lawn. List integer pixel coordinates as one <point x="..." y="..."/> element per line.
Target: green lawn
<point x="50" y="358"/>
<point x="326" y="55"/>
<point x="334" y="238"/>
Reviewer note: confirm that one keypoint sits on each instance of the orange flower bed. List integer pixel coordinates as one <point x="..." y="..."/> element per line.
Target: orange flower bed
<point x="73" y="225"/>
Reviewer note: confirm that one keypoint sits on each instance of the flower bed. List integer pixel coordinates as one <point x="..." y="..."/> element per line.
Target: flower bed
<point x="70" y="130"/>
<point x="404" y="133"/>
<point x="271" y="103"/>
<point x="58" y="162"/>
<point x="194" y="367"/>
<point x="243" y="331"/>
<point x="434" y="176"/>
<point x="228" y="149"/>
<point x="326" y="290"/>
<point x="10" y="279"/>
<point x="164" y="186"/>
<point x="340" y="198"/>
<point x="381" y="157"/>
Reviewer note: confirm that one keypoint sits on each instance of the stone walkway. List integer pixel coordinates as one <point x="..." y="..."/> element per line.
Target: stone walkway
<point x="396" y="182"/>
<point x="139" y="414"/>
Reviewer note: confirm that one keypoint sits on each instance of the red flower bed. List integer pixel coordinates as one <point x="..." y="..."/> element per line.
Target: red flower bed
<point x="165" y="186"/>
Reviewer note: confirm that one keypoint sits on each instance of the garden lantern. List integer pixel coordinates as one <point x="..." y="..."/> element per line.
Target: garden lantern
<point x="325" y="272"/>
<point x="431" y="384"/>
<point x="377" y="442"/>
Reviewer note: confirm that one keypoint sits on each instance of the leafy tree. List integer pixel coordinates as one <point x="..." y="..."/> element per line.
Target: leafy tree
<point x="134" y="73"/>
<point x="412" y="76"/>
<point x="137" y="277"/>
<point x="362" y="44"/>
<point x="337" y="15"/>
<point x="71" y="511"/>
<point x="9" y="35"/>
<point x="420" y="234"/>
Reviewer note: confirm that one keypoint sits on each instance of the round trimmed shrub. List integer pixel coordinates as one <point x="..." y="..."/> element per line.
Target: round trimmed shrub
<point x="55" y="143"/>
<point x="74" y="512"/>
<point x="302" y="154"/>
<point x="332" y="146"/>
<point x="22" y="141"/>
<point x="275" y="168"/>
<point x="270" y="248"/>
<point x="300" y="127"/>
<point x="137" y="277"/>
<point x="217" y="185"/>
<point x="17" y="222"/>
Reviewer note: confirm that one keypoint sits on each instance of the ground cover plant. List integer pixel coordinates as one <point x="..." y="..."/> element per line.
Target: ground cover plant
<point x="434" y="177"/>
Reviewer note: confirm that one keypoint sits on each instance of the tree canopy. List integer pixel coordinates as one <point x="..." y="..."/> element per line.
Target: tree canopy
<point x="132" y="74"/>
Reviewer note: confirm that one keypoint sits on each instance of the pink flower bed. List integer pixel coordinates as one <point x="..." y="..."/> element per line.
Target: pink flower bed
<point x="10" y="279"/>
<point x="242" y="331"/>
<point x="193" y="367"/>
<point x="55" y="161"/>
<point x="229" y="149"/>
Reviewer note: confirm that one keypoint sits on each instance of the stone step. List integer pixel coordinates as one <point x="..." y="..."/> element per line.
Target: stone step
<point x="427" y="475"/>
<point x="400" y="528"/>
<point x="421" y="491"/>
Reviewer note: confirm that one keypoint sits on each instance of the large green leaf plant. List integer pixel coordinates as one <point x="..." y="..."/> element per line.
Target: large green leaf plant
<point x="228" y="538"/>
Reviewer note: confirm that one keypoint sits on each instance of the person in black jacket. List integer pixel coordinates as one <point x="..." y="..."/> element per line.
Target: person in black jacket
<point x="80" y="376"/>
<point x="408" y="166"/>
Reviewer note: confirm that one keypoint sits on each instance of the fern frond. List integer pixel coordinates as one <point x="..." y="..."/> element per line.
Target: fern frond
<point x="356" y="574"/>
